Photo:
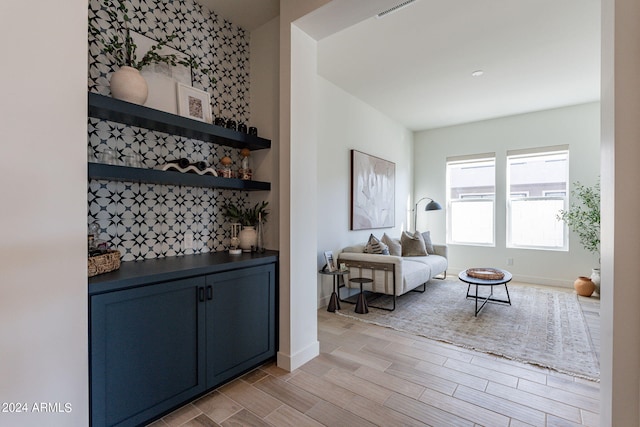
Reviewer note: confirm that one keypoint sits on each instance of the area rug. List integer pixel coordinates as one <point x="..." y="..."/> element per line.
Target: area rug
<point x="543" y="326"/>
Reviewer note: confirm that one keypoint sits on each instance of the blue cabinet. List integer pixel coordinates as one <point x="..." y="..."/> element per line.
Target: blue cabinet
<point x="241" y="332"/>
<point x="157" y="346"/>
<point x="147" y="351"/>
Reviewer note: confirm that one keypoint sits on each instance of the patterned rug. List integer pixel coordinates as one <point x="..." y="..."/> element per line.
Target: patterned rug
<point x="543" y="326"/>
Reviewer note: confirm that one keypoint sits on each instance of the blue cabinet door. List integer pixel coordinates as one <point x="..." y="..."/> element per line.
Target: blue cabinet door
<point x="241" y="316"/>
<point x="147" y="350"/>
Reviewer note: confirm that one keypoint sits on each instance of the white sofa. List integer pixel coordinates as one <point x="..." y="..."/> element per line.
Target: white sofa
<point x="391" y="274"/>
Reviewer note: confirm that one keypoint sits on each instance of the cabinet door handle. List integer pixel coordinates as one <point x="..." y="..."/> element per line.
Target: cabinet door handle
<point x="201" y="294"/>
<point x="210" y="292"/>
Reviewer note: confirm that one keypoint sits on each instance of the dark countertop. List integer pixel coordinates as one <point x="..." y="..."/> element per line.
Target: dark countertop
<point x="140" y="273"/>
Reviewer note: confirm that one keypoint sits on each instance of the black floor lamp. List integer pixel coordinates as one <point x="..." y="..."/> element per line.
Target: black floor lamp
<point x="431" y="206"/>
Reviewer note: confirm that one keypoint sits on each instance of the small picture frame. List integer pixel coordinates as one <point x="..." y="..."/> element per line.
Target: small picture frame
<point x="328" y="257"/>
<point x="194" y="103"/>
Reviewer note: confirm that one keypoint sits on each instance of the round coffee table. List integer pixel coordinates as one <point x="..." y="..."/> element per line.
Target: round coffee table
<point x="463" y="276"/>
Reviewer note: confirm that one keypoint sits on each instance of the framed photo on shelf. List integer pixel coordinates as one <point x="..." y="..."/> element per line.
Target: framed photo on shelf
<point x="194" y="103"/>
<point x="331" y="264"/>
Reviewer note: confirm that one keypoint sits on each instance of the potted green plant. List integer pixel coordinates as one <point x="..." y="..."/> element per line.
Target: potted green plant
<point x="126" y="82"/>
<point x="583" y="218"/>
<point x="246" y="217"/>
<point x="249" y="218"/>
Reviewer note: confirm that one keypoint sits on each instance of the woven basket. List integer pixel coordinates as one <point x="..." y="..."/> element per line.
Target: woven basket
<point x="104" y="263"/>
<point x="485" y="273"/>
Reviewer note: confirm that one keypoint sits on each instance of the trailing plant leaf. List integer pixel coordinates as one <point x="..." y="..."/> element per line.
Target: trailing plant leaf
<point x="583" y="215"/>
<point x="233" y="213"/>
<point x="121" y="47"/>
<point x="250" y="216"/>
<point x="259" y="211"/>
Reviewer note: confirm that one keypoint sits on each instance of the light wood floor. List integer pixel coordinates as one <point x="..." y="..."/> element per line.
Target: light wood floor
<point x="368" y="375"/>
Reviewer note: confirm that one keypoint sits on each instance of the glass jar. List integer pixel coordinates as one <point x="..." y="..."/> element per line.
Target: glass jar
<point x="245" y="168"/>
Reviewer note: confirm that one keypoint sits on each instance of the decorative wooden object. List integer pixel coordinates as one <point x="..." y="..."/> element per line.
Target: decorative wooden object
<point x="485" y="273"/>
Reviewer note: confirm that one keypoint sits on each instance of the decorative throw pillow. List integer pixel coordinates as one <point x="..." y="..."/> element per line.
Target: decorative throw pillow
<point x="375" y="246"/>
<point x="427" y="242"/>
<point x="413" y="244"/>
<point x="394" y="245"/>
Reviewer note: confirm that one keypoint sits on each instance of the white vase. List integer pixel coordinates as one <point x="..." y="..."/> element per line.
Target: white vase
<point x="128" y="85"/>
<point x="595" y="278"/>
<point x="248" y="238"/>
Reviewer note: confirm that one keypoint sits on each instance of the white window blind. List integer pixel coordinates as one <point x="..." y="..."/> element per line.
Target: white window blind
<point x="537" y="186"/>
<point x="471" y="200"/>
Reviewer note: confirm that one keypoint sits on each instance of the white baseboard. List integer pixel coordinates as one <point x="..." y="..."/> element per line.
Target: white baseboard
<point x="290" y="362"/>
<point x="323" y="302"/>
<point x="534" y="280"/>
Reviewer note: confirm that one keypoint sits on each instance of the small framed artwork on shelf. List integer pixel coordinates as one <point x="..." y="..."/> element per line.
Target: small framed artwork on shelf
<point x="194" y="103"/>
<point x="331" y="264"/>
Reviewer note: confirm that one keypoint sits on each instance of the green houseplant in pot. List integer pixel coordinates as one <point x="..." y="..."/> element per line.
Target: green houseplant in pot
<point x="126" y="83"/>
<point x="250" y="218"/>
<point x="583" y="218"/>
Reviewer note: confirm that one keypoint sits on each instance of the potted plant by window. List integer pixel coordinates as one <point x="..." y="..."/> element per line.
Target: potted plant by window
<point x="583" y="218"/>
<point x="126" y="83"/>
<point x="250" y="218"/>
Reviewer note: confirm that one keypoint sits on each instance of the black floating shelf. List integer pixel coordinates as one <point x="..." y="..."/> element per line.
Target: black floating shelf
<point x="152" y="176"/>
<point x="115" y="110"/>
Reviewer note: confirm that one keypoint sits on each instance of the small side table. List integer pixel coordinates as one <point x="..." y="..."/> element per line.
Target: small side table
<point x="334" y="302"/>
<point x="361" y="303"/>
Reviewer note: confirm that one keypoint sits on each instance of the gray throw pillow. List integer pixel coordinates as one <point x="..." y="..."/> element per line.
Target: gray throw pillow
<point x="394" y="245"/>
<point x="375" y="246"/>
<point x="427" y="242"/>
<point x="413" y="244"/>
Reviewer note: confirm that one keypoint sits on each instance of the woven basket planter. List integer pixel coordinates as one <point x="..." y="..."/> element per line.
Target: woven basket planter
<point x="103" y="263"/>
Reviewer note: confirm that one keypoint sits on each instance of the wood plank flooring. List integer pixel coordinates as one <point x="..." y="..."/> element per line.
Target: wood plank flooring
<point x="368" y="375"/>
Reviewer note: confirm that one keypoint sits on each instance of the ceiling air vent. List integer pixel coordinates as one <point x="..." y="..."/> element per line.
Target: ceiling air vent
<point x="394" y="8"/>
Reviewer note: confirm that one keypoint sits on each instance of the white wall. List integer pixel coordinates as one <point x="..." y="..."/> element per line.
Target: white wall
<point x="298" y="321"/>
<point x="43" y="169"/>
<point x="620" y="316"/>
<point x="347" y="123"/>
<point x="578" y="126"/>
<point x="264" y="96"/>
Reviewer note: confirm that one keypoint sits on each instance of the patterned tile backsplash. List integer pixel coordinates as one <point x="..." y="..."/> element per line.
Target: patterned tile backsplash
<point x="148" y="220"/>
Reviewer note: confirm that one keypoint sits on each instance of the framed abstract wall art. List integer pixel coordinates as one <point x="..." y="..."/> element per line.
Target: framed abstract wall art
<point x="373" y="182"/>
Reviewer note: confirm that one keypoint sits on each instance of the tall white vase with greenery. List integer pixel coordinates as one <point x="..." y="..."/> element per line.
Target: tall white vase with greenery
<point x="128" y="85"/>
<point x="126" y="82"/>
<point x="583" y="218"/>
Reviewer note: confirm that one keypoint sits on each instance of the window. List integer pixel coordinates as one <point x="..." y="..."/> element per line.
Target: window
<point x="537" y="190"/>
<point x="471" y="189"/>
